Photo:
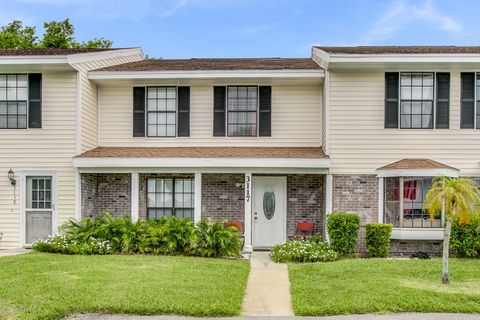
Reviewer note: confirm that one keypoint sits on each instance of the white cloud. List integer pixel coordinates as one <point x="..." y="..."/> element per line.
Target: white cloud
<point x="177" y="5"/>
<point x="402" y="14"/>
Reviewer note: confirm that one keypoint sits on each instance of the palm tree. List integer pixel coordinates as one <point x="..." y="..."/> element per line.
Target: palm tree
<point x="455" y="198"/>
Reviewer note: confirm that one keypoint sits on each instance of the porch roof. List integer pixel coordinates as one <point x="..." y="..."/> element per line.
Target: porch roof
<point x="203" y="152"/>
<point x="201" y="157"/>
<point x="416" y="167"/>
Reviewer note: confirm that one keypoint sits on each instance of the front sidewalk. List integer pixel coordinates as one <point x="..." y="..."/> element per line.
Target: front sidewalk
<point x="268" y="288"/>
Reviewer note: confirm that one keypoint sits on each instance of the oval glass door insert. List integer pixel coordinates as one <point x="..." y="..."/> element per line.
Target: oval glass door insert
<point x="269" y="203"/>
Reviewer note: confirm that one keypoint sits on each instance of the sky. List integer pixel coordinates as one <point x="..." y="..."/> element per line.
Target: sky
<point x="261" y="28"/>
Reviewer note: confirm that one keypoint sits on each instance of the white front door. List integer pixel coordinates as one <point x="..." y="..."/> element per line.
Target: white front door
<point x="269" y="211"/>
<point x="38" y="207"/>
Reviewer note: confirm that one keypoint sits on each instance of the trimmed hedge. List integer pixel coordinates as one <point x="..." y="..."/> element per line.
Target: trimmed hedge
<point x="343" y="232"/>
<point x="465" y="239"/>
<point x="378" y="239"/>
<point x="303" y="251"/>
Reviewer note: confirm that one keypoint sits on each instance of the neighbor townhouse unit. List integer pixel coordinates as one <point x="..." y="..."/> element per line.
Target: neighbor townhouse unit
<point x="269" y="144"/>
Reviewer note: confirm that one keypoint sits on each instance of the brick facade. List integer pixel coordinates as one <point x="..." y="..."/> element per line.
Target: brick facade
<point x="357" y="194"/>
<point x="223" y="196"/>
<point x="305" y="201"/>
<point x="408" y="247"/>
<point x="106" y="192"/>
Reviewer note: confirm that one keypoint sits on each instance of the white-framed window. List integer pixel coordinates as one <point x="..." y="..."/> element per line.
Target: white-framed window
<point x="161" y="111"/>
<point x="403" y="203"/>
<point x="13" y="101"/>
<point x="416" y="100"/>
<point x="242" y="111"/>
<point x="167" y="197"/>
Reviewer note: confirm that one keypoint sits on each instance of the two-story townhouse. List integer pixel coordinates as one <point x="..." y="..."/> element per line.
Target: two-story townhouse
<point x="47" y="116"/>
<point x="228" y="139"/>
<point x="396" y="117"/>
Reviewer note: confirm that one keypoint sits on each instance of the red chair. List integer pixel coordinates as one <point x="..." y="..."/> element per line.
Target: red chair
<point x="235" y="224"/>
<point x="304" y="230"/>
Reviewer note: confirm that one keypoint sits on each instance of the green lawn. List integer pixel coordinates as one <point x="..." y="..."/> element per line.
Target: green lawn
<point x="384" y="285"/>
<point x="48" y="286"/>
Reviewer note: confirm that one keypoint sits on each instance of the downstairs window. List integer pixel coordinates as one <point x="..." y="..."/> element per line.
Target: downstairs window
<point x="167" y="197"/>
<point x="405" y="209"/>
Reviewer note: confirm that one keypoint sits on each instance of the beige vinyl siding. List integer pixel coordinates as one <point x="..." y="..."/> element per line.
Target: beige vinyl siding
<point x="359" y="143"/>
<point x="296" y="119"/>
<point x="88" y="98"/>
<point x="50" y="148"/>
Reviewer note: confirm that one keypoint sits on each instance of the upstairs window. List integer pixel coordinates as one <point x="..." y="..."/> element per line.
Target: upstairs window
<point x="416" y="100"/>
<point x="242" y="104"/>
<point x="13" y="101"/>
<point x="161" y="111"/>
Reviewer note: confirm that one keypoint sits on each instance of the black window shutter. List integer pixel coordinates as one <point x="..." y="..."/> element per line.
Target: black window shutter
<point x="443" y="101"/>
<point x="265" y="108"/>
<point x="139" y="111"/>
<point x="183" y="127"/>
<point x="219" y="104"/>
<point x="391" y="99"/>
<point x="35" y="100"/>
<point x="467" y="103"/>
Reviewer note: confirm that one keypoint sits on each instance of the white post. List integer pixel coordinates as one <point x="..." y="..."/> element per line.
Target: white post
<point x="248" y="213"/>
<point x="197" y="211"/>
<point x="328" y="201"/>
<point x="135" y="195"/>
<point x="380" y="199"/>
<point x="78" y="195"/>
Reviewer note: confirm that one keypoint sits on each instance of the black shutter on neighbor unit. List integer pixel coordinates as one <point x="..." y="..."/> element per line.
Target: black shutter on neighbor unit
<point x="219" y="103"/>
<point x="139" y="111"/>
<point x="35" y="100"/>
<point x="391" y="99"/>
<point x="183" y="128"/>
<point x="467" y="100"/>
<point x="443" y="101"/>
<point x="265" y="109"/>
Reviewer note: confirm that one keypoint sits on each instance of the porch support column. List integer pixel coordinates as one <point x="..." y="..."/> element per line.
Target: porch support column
<point x="328" y="201"/>
<point x="78" y="195"/>
<point x="135" y="195"/>
<point x="247" y="232"/>
<point x="197" y="211"/>
<point x="381" y="186"/>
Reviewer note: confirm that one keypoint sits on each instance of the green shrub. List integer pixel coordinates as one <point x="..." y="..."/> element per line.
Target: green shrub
<point x="465" y="239"/>
<point x="172" y="236"/>
<point x="303" y="251"/>
<point x="343" y="232"/>
<point x="378" y="239"/>
<point x="216" y="240"/>
<point x="66" y="245"/>
<point x="167" y="236"/>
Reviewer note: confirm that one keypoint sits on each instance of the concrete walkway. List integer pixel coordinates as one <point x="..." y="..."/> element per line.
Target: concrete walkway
<point x="396" y="316"/>
<point x="268" y="288"/>
<point x="13" y="252"/>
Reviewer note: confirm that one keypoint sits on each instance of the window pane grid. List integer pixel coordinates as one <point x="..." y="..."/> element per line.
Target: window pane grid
<point x="242" y="104"/>
<point x="161" y="111"/>
<point x="416" y="104"/>
<point x="169" y="197"/>
<point x="41" y="193"/>
<point x="13" y="101"/>
<point x="414" y="215"/>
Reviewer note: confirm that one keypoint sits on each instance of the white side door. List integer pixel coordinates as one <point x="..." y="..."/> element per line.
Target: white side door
<point x="269" y="211"/>
<point x="39" y="207"/>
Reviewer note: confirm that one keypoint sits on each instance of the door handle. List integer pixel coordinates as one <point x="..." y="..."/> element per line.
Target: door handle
<point x="255" y="215"/>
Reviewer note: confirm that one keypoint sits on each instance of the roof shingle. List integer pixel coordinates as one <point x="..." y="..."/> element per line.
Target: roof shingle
<point x="416" y="164"/>
<point x="49" y="51"/>
<point x="204" y="152"/>
<point x="216" y="64"/>
<point x="402" y="50"/>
